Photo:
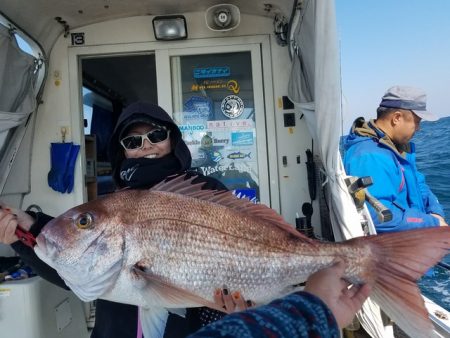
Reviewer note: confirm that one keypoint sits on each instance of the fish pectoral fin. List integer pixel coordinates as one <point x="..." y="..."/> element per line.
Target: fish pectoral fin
<point x="153" y="321"/>
<point x="169" y="295"/>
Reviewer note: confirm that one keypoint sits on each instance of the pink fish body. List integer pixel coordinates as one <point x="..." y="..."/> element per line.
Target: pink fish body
<point x="173" y="245"/>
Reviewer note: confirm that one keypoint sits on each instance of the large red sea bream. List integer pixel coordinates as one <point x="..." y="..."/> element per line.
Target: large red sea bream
<point x="173" y="245"/>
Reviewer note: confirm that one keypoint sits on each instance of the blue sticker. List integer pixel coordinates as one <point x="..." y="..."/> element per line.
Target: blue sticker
<point x="216" y="156"/>
<point x="197" y="108"/>
<point x="242" y="139"/>
<point x="249" y="194"/>
<point x="211" y="72"/>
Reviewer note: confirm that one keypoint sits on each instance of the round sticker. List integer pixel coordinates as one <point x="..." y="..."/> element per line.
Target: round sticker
<point x="232" y="106"/>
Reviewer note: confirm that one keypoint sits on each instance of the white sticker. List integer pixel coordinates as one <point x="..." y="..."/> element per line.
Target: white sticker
<point x="232" y="106"/>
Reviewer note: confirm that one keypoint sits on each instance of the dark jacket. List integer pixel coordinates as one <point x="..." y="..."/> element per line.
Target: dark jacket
<point x="115" y="320"/>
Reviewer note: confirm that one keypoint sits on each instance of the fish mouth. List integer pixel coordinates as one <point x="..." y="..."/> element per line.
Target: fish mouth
<point x="41" y="249"/>
<point x="41" y="245"/>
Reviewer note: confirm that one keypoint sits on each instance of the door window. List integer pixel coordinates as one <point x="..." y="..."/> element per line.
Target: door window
<point x="214" y="107"/>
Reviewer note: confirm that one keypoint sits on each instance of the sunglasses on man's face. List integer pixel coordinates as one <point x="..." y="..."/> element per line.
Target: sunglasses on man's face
<point x="154" y="136"/>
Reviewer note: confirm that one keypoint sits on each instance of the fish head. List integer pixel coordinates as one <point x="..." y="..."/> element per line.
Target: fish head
<point x="85" y="245"/>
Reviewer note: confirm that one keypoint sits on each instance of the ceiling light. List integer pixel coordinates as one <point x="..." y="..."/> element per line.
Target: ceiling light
<point x="170" y="27"/>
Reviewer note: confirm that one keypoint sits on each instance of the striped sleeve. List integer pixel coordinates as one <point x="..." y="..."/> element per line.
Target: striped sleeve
<point x="297" y="315"/>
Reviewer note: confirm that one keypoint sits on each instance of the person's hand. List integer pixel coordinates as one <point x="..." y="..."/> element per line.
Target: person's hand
<point x="9" y="219"/>
<point x="231" y="302"/>
<point x="441" y="219"/>
<point x="344" y="302"/>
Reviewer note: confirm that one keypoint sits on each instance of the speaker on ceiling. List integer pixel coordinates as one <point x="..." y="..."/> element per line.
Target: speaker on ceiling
<point x="222" y="17"/>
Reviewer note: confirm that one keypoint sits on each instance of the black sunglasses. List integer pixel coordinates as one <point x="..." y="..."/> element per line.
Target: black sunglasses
<point x="137" y="141"/>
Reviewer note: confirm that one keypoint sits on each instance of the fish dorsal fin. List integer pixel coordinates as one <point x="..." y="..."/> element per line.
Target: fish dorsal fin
<point x="183" y="184"/>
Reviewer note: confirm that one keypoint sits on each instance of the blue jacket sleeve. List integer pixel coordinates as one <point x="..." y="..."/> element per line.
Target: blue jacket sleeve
<point x="430" y="200"/>
<point x="297" y="315"/>
<point x="387" y="179"/>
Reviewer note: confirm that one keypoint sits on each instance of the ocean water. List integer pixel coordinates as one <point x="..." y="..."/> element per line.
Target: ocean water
<point x="433" y="160"/>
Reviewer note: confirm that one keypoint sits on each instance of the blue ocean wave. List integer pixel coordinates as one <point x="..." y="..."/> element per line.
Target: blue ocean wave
<point x="437" y="286"/>
<point x="433" y="160"/>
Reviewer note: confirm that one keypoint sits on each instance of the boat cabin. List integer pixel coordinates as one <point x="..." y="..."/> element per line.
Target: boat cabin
<point x="254" y="86"/>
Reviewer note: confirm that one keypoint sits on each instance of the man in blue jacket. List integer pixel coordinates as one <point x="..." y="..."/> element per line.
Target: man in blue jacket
<point x="381" y="149"/>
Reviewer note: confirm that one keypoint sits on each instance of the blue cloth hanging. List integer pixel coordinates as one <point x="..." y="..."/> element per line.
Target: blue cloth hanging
<point x="61" y="175"/>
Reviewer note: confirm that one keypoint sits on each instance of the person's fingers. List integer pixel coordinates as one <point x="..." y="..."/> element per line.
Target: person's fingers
<point x="355" y="298"/>
<point x="339" y="266"/>
<point x="361" y="295"/>
<point x="10" y="232"/>
<point x="8" y="225"/>
<point x="218" y="298"/>
<point x="23" y="219"/>
<point x="3" y="225"/>
<point x="351" y="291"/>
<point x="240" y="302"/>
<point x="343" y="284"/>
<point x="339" y="269"/>
<point x="228" y="300"/>
<point x="336" y="271"/>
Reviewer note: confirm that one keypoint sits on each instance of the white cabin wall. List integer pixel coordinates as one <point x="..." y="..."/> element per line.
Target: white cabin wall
<point x="58" y="100"/>
<point x="52" y="114"/>
<point x="291" y="142"/>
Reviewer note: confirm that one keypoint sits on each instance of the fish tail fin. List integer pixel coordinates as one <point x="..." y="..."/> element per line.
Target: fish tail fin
<point x="401" y="259"/>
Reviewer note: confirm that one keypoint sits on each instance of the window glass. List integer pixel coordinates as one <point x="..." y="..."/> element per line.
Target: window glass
<point x="213" y="100"/>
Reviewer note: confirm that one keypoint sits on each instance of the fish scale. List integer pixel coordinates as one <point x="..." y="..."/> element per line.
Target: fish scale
<point x="197" y="245"/>
<point x="275" y="251"/>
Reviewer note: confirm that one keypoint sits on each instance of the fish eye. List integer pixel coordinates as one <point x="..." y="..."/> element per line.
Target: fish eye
<point x="84" y="221"/>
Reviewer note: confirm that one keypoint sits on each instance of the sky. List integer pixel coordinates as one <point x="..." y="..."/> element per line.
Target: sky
<point x="393" y="42"/>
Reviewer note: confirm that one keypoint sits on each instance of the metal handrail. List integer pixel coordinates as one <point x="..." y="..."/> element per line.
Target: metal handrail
<point x="444" y="265"/>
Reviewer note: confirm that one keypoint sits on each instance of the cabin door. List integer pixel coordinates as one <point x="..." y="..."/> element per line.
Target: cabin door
<point x="214" y="90"/>
<point x="218" y="103"/>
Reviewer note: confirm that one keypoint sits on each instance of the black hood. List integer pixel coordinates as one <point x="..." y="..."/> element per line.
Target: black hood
<point x="145" y="112"/>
